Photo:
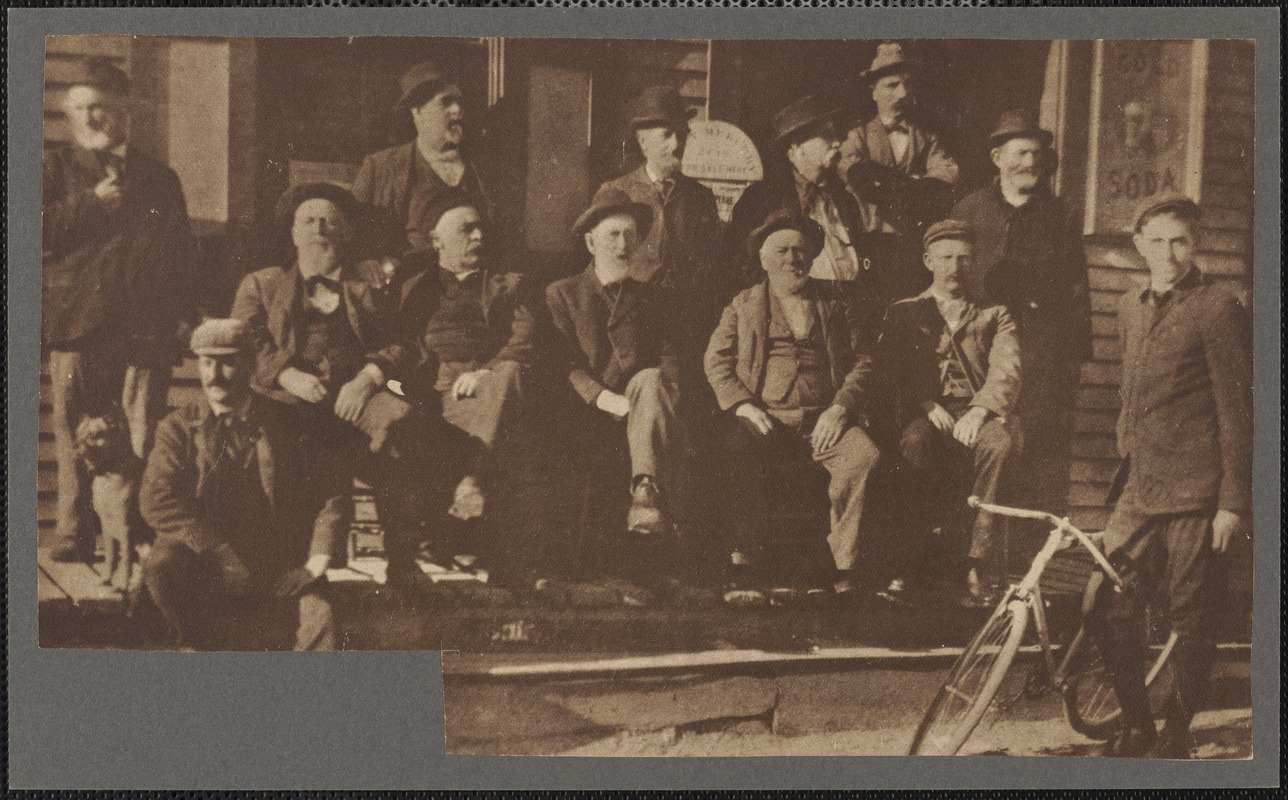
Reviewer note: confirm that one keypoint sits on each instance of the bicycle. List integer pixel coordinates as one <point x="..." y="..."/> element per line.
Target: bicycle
<point x="973" y="681"/>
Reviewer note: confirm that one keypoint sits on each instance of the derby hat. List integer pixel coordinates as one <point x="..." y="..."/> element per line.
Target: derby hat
<point x="101" y="74"/>
<point x="455" y="197"/>
<point x="1018" y="123"/>
<point x="786" y="219"/>
<point x="658" y="105"/>
<point x="219" y="337"/>
<point x="888" y="60"/>
<point x="284" y="212"/>
<point x="1172" y="201"/>
<point x="948" y="229"/>
<point x="800" y="115"/>
<point x="609" y="201"/>
<point x="417" y="83"/>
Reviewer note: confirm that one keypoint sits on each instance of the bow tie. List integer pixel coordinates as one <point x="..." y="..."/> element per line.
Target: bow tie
<point x="112" y="163"/>
<point x="313" y="283"/>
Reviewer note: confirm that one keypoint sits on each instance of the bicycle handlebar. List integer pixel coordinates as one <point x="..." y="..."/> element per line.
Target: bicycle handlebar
<point x="1055" y="522"/>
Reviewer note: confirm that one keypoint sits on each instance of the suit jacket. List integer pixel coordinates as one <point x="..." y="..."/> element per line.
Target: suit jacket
<point x="310" y="506"/>
<point x="1186" y="421"/>
<point x="505" y="308"/>
<point x="680" y="246"/>
<point x="127" y="271"/>
<point x="1031" y="260"/>
<point x="601" y="345"/>
<point x="926" y="157"/>
<point x="985" y="341"/>
<point x="738" y="353"/>
<point x="271" y="300"/>
<point x="384" y="183"/>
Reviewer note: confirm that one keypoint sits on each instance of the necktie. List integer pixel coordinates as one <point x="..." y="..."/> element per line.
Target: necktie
<point x="232" y="438"/>
<point x="1157" y="305"/>
<point x="665" y="186"/>
<point x="113" y="164"/>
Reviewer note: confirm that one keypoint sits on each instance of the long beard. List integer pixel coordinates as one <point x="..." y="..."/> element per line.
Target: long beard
<point x="317" y="258"/>
<point x="92" y="140"/>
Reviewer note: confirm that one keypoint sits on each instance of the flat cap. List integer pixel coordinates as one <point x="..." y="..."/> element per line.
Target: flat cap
<point x="219" y="337"/>
<point x="782" y="220"/>
<point x="948" y="229"/>
<point x="1172" y="201"/>
<point x="101" y="74"/>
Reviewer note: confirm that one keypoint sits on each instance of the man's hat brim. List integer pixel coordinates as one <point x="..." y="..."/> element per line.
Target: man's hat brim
<point x="640" y="212"/>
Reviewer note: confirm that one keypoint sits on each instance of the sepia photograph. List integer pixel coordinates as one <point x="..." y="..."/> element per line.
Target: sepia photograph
<point x="694" y="397"/>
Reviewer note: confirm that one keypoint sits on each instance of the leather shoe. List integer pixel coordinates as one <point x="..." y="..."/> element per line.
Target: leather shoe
<point x="645" y="515"/>
<point x="1130" y="743"/>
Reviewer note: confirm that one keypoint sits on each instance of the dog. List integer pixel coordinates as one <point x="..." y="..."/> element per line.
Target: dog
<point x="103" y="446"/>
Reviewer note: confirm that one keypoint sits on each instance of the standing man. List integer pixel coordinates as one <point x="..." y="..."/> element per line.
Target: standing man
<point x="327" y="342"/>
<point x="898" y="168"/>
<point x="1185" y="436"/>
<point x="117" y="260"/>
<point x="1028" y="257"/>
<point x="614" y="335"/>
<point x="954" y="369"/>
<point x="247" y="517"/>
<point x="403" y="181"/>
<point x="784" y="363"/>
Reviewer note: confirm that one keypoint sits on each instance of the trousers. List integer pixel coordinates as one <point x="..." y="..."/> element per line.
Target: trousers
<point x="489" y="414"/>
<point x="188" y="590"/>
<point x="651" y="427"/>
<point x="87" y="383"/>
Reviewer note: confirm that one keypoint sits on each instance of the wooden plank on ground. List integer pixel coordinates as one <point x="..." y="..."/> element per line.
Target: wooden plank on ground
<point x="82" y="583"/>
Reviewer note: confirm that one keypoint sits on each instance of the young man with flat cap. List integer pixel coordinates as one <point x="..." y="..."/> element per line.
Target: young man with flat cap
<point x="248" y="516"/>
<point x="327" y="343"/>
<point x="787" y="365"/>
<point x="1028" y="256"/>
<point x="614" y="337"/>
<point x="403" y="181"/>
<point x="953" y="371"/>
<point x="117" y="268"/>
<point x="1185" y="437"/>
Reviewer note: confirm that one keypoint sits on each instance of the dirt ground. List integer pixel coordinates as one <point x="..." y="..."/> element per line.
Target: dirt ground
<point x="1223" y="734"/>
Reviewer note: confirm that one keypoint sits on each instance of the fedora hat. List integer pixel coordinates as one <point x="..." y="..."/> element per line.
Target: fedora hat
<point x="284" y="212"/>
<point x="807" y="111"/>
<point x="415" y="81"/>
<point x="786" y="219"/>
<point x="609" y="201"/>
<point x="658" y="105"/>
<point x="101" y="74"/>
<point x="1018" y="123"/>
<point x="889" y="59"/>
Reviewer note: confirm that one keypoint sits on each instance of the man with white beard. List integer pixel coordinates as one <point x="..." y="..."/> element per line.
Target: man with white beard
<point x="116" y="275"/>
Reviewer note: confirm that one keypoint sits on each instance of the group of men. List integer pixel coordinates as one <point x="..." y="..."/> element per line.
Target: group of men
<point x="848" y="317"/>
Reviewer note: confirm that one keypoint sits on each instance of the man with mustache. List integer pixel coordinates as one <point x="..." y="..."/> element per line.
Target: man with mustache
<point x="475" y="328"/>
<point x="248" y="515"/>
<point x="807" y="141"/>
<point x="117" y="260"/>
<point x="786" y="364"/>
<point x="402" y="182"/>
<point x="897" y="167"/>
<point x="613" y="334"/>
<point x="327" y="343"/>
<point x="953" y="368"/>
<point x="1028" y="256"/>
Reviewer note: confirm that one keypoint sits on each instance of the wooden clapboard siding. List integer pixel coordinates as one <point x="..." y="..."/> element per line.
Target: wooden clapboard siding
<point x="1114" y="267"/>
<point x="61" y="54"/>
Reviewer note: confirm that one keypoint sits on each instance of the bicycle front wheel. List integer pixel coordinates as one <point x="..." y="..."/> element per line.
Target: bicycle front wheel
<point x="1090" y="705"/>
<point x="972" y="683"/>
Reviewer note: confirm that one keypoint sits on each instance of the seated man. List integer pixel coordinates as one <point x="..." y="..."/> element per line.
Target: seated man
<point x="615" y="340"/>
<point x="784" y="362"/>
<point x="326" y="342"/>
<point x="477" y="338"/>
<point x="247" y="517"/>
<point x="954" y="369"/>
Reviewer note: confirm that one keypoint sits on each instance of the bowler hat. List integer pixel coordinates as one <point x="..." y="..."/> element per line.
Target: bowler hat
<point x="284" y="213"/>
<point x="101" y="74"/>
<point x="888" y="60"/>
<point x="1172" y="201"/>
<point x="786" y="219"/>
<point x="658" y="105"/>
<point x="1018" y="123"/>
<point x="609" y="201"/>
<point x="219" y="337"/>
<point x="415" y="81"/>
<point x="948" y="229"/>
<point x="446" y="201"/>
<point x="798" y="116"/>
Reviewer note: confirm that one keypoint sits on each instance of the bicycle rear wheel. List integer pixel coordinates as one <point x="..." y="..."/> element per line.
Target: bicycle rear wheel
<point x="1090" y="705"/>
<point x="972" y="683"/>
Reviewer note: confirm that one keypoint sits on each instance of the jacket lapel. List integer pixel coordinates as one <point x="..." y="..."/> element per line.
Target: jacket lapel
<point x="879" y="143"/>
<point x="355" y="294"/>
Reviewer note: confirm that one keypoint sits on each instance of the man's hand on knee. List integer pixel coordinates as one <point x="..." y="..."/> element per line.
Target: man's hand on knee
<point x="829" y="428"/>
<point x="301" y="384"/>
<point x="353" y="396"/>
<point x="468" y="383"/>
<point x="967" y="428"/>
<point x="756" y="417"/>
<point x="938" y="416"/>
